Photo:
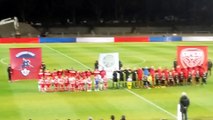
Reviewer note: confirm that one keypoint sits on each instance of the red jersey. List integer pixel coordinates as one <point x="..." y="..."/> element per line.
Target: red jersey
<point x="140" y="73"/>
<point x="88" y="73"/>
<point x="59" y="73"/>
<point x="185" y="72"/>
<point x="102" y="73"/>
<point x="40" y="75"/>
<point x="54" y="74"/>
<point x="178" y="70"/>
<point x="72" y="72"/>
<point x="96" y="72"/>
<point x="201" y="71"/>
<point x="47" y="74"/>
<point x="83" y="75"/>
<point x="166" y="73"/>
<point x="152" y="71"/>
<point x="159" y="72"/>
<point x="66" y="72"/>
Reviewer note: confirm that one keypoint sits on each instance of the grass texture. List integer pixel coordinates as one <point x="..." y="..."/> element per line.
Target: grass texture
<point x="22" y="101"/>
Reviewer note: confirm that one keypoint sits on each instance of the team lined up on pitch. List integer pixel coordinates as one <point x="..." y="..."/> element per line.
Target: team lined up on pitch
<point x="72" y="80"/>
<point x="150" y="77"/>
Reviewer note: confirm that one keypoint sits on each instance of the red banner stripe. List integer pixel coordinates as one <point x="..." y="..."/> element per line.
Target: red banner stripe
<point x="132" y="39"/>
<point x="19" y="40"/>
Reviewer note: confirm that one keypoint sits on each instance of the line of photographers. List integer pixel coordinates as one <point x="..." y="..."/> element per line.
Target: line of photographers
<point x="151" y="77"/>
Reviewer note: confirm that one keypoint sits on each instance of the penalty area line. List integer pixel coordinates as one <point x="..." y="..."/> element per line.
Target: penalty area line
<point x="151" y="103"/>
<point x="67" y="57"/>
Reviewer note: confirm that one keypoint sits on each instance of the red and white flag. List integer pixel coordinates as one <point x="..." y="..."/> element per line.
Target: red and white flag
<point x="192" y="56"/>
<point x="25" y="63"/>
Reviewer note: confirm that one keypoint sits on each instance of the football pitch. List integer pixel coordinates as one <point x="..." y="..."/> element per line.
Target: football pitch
<point x="21" y="100"/>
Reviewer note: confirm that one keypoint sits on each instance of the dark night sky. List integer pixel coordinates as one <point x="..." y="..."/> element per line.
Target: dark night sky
<point x="197" y="11"/>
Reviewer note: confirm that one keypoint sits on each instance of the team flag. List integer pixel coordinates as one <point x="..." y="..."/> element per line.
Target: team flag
<point x="192" y="56"/>
<point x="25" y="63"/>
<point x="109" y="62"/>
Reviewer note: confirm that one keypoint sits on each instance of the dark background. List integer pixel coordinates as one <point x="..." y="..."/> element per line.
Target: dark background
<point x="103" y="12"/>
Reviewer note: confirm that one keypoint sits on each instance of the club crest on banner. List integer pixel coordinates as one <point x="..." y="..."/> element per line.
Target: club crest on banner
<point x="109" y="62"/>
<point x="25" y="72"/>
<point x="25" y="62"/>
<point x="192" y="56"/>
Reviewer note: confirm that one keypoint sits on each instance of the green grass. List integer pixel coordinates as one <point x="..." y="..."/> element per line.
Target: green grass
<point x="21" y="100"/>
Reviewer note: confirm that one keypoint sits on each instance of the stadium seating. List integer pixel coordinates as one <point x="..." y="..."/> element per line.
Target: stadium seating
<point x="25" y="29"/>
<point x="153" y="30"/>
<point x="112" y="30"/>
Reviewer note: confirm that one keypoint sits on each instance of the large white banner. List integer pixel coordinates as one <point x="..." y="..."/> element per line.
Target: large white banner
<point x="197" y="38"/>
<point x="95" y="39"/>
<point x="109" y="62"/>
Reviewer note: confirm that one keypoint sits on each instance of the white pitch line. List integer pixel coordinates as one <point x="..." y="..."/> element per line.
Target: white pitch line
<point x="151" y="103"/>
<point x="2" y="61"/>
<point x="68" y="57"/>
<point x="144" y="99"/>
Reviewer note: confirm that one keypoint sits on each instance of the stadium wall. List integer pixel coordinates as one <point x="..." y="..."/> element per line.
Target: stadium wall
<point x="165" y="39"/>
<point x="57" y="40"/>
<point x="107" y="39"/>
<point x="95" y="39"/>
<point x="19" y="40"/>
<point x="131" y="39"/>
<point x="197" y="38"/>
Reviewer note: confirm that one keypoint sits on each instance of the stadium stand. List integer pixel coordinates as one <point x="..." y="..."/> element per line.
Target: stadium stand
<point x="153" y="30"/>
<point x="25" y="29"/>
<point x="7" y="30"/>
<point x="112" y="30"/>
<point x="100" y="31"/>
<point x="69" y="30"/>
<point x="198" y="30"/>
<point x="28" y="30"/>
